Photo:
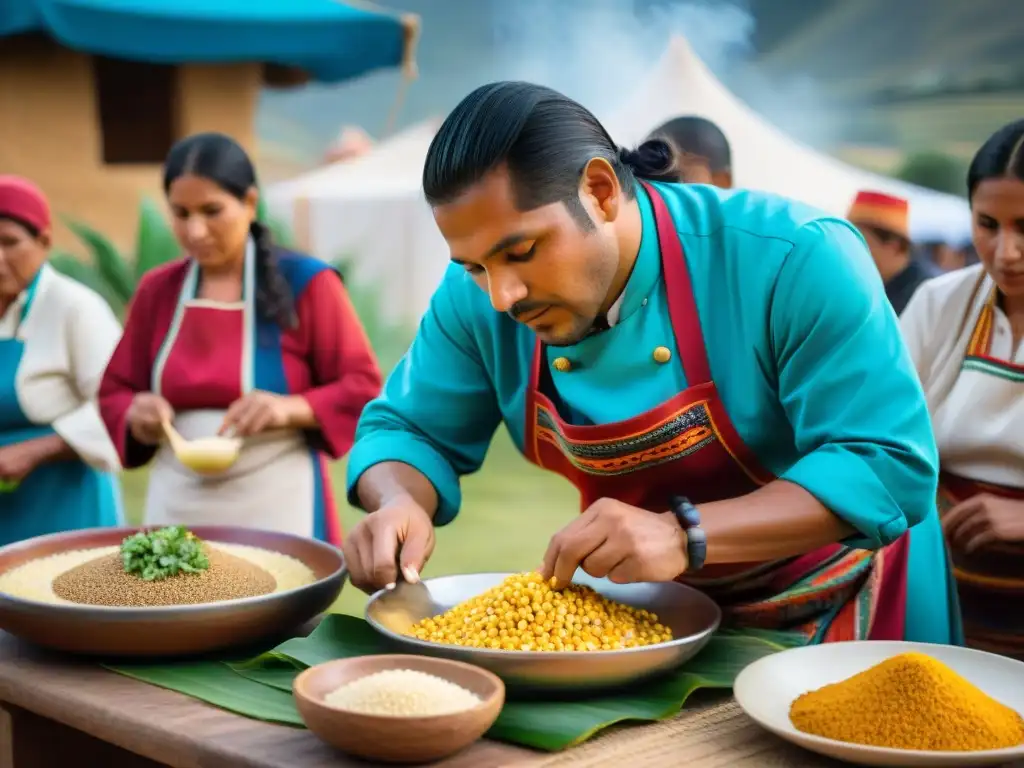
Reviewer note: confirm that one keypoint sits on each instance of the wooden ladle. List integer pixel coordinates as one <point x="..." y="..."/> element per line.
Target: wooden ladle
<point x="205" y="455"/>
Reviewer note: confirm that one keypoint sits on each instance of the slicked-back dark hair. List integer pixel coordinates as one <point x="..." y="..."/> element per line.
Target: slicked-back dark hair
<point x="1001" y="156"/>
<point x="543" y="137"/>
<point x="698" y="136"/>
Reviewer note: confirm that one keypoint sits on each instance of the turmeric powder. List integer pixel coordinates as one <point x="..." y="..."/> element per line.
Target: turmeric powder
<point x="911" y="701"/>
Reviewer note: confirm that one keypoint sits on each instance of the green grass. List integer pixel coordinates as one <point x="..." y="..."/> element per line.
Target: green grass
<point x="510" y="510"/>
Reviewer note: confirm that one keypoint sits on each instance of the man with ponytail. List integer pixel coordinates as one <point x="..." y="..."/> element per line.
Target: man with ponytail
<point x="718" y="373"/>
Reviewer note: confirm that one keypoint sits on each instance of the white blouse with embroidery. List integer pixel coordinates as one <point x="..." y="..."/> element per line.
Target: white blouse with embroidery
<point x="70" y="333"/>
<point x="972" y="376"/>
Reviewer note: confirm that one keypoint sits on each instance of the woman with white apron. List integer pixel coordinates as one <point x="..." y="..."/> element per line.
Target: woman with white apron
<point x="57" y="463"/>
<point x="241" y="339"/>
<point x="965" y="331"/>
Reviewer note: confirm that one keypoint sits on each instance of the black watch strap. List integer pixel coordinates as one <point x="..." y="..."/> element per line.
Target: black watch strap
<point x="696" y="540"/>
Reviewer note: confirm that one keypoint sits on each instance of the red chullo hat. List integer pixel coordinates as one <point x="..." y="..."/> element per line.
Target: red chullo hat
<point x="22" y="200"/>
<point x="878" y="209"/>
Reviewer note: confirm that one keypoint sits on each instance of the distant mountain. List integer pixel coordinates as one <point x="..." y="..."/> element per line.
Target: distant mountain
<point x="870" y="48"/>
<point x="854" y="65"/>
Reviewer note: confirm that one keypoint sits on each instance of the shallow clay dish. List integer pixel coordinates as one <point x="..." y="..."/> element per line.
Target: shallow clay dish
<point x="170" y="631"/>
<point x="393" y="739"/>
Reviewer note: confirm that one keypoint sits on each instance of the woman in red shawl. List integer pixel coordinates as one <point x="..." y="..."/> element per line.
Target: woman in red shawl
<point x="238" y="338"/>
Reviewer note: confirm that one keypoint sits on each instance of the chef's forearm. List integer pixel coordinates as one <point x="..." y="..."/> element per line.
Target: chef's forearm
<point x="391" y="481"/>
<point x="777" y="521"/>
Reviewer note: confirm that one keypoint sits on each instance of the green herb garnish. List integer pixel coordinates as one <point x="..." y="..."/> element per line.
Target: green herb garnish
<point x="155" y="555"/>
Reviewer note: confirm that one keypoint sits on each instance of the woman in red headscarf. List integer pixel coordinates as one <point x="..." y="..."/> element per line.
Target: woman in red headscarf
<point x="56" y="335"/>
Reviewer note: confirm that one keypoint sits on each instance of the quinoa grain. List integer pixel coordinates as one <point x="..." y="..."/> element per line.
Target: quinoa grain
<point x="103" y="581"/>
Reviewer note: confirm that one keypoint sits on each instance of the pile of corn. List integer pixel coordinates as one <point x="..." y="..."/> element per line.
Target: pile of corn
<point x="525" y="613"/>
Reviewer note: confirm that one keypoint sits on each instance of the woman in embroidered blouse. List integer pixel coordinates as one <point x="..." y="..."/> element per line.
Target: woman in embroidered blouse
<point x="965" y="331"/>
<point x="237" y="337"/>
<point x="56" y="335"/>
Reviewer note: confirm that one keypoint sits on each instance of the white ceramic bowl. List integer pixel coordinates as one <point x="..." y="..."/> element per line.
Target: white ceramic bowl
<point x="767" y="688"/>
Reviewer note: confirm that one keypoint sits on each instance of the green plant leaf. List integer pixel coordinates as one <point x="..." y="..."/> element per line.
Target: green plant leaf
<point x="548" y="724"/>
<point x="89" y="276"/>
<point x="217" y="684"/>
<point x="110" y="264"/>
<point x="281" y="232"/>
<point x="166" y="552"/>
<point x="155" y="243"/>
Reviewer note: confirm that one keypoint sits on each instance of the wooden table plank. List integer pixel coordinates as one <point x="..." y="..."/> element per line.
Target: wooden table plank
<point x="171" y="728"/>
<point x="39" y="690"/>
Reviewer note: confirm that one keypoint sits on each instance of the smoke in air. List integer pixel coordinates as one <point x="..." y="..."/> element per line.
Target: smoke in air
<point x="597" y="50"/>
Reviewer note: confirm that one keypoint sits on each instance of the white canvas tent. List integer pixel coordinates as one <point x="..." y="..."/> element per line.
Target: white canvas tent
<point x="765" y="158"/>
<point x="371" y="210"/>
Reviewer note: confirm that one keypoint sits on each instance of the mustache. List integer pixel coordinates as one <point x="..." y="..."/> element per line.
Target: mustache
<point x="521" y="308"/>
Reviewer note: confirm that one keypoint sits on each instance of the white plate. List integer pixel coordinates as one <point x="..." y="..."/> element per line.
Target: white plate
<point x="766" y="689"/>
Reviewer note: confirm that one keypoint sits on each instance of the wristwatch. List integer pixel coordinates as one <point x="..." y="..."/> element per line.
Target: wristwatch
<point x="696" y="540"/>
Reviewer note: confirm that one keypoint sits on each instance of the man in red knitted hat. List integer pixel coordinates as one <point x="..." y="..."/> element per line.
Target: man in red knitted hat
<point x="883" y="220"/>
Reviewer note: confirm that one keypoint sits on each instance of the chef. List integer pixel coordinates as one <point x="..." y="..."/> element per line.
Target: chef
<point x="718" y="374"/>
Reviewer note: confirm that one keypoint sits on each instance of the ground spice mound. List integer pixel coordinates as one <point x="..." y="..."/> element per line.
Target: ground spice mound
<point x="911" y="701"/>
<point x="103" y="581"/>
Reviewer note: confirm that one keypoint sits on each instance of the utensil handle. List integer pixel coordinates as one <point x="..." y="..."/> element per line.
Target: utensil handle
<point x="173" y="436"/>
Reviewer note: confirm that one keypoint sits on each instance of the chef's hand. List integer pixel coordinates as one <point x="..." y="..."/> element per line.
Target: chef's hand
<point x="16" y="462"/>
<point x="146" y="415"/>
<point x="622" y="542"/>
<point x="256" y="412"/>
<point x="372" y="548"/>
<point x="983" y="520"/>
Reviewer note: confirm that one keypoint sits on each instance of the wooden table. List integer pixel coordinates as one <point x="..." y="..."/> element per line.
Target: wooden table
<point x="56" y="711"/>
<point x="66" y="712"/>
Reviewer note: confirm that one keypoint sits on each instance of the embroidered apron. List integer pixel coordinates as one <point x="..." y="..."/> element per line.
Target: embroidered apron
<point x="273" y="484"/>
<point x="63" y="495"/>
<point x="689" y="445"/>
<point x="983" y="417"/>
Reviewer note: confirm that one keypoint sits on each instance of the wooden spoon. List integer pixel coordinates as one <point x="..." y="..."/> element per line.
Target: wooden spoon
<point x="178" y="443"/>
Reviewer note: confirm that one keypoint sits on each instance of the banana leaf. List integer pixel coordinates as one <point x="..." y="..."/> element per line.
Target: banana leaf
<point x="78" y="270"/>
<point x="215" y="683"/>
<point x="262" y="685"/>
<point x="109" y="263"/>
<point x="154" y="243"/>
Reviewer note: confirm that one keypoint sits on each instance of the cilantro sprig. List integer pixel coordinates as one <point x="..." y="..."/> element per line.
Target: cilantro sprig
<point x="160" y="554"/>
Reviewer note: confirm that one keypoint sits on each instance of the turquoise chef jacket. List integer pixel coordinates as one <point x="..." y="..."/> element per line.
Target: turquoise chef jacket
<point x="803" y="345"/>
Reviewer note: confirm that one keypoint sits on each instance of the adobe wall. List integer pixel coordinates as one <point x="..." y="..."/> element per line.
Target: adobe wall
<point x="50" y="131"/>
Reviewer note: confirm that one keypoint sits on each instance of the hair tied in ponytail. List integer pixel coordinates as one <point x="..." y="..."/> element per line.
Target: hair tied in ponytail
<point x="654" y="160"/>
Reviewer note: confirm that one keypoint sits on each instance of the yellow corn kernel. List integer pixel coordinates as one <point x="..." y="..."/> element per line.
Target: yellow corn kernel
<point x="526" y="613"/>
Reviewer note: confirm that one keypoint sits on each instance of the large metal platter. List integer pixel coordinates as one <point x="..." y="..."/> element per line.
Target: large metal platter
<point x="691" y="615"/>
